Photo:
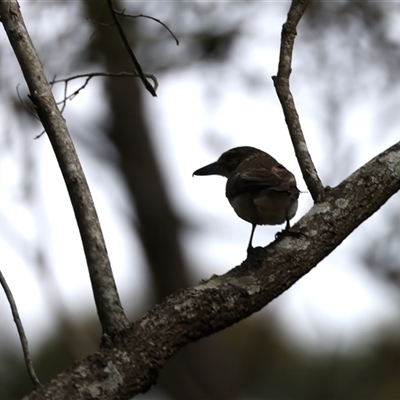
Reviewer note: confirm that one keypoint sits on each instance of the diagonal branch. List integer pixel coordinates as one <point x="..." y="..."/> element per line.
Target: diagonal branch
<point x="131" y="364"/>
<point x="21" y="331"/>
<point x="128" y="48"/>
<point x="281" y="83"/>
<point x="109" y="309"/>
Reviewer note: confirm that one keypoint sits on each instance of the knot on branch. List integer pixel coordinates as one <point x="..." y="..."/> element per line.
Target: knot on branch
<point x="289" y="29"/>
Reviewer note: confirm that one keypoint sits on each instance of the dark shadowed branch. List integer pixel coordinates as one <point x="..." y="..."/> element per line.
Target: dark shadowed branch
<point x="107" y="300"/>
<point x="128" y="48"/>
<point x="281" y="82"/>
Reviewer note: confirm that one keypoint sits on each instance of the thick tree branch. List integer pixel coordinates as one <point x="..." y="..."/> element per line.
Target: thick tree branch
<point x="131" y="361"/>
<point x="281" y="82"/>
<point x="108" y="304"/>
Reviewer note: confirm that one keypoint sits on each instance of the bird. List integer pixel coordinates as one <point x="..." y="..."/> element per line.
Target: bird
<point x="260" y="189"/>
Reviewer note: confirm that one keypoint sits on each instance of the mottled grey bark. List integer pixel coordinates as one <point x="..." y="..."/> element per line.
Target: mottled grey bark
<point x="131" y="362"/>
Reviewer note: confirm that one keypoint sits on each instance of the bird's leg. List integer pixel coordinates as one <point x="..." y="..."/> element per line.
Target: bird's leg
<point x="250" y="247"/>
<point x="288" y="232"/>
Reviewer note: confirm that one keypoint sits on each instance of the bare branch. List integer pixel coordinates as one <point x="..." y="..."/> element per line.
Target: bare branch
<point x="21" y="332"/>
<point x="91" y="75"/>
<point x="128" y="47"/>
<point x="122" y="14"/>
<point x="131" y="364"/>
<point x="149" y="17"/>
<point x="109" y="309"/>
<point x="281" y="83"/>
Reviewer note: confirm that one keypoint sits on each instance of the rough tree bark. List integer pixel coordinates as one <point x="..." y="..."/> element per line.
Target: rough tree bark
<point x="130" y="361"/>
<point x="130" y="358"/>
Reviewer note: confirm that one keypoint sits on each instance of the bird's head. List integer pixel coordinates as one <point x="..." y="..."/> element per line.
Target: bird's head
<point x="229" y="161"/>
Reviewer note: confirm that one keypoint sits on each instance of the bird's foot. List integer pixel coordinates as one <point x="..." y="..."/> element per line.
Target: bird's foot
<point x="287" y="232"/>
<point x="252" y="250"/>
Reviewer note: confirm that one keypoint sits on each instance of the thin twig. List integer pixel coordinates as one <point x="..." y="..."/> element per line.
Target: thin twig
<point x="108" y="74"/>
<point x="21" y="332"/>
<point x="149" y="17"/>
<point x="88" y="77"/>
<point x="281" y="83"/>
<point x="128" y="47"/>
<point x="99" y="23"/>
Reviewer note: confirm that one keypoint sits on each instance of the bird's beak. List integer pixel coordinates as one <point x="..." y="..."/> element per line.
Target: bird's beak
<point x="212" y="169"/>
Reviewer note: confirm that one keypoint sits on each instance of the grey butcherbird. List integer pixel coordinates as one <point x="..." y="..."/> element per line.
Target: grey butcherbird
<point x="260" y="190"/>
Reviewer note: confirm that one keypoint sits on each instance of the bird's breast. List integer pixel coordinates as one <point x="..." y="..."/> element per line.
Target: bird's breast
<point x="267" y="207"/>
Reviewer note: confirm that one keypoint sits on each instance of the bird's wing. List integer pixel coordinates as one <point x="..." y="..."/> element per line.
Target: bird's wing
<point x="277" y="178"/>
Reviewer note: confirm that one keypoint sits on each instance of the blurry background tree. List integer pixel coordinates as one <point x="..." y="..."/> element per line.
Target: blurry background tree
<point x="139" y="152"/>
